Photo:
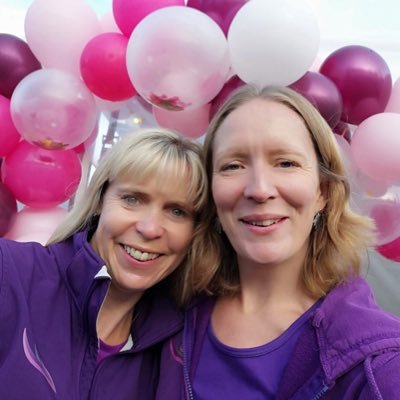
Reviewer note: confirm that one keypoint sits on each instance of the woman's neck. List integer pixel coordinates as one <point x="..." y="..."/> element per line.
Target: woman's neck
<point x="115" y="317"/>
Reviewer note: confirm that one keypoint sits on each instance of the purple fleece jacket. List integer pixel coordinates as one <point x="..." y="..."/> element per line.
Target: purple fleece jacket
<point x="350" y="349"/>
<point x="49" y="301"/>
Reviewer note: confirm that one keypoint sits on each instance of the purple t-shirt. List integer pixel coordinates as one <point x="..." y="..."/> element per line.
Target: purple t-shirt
<point x="106" y="350"/>
<point x="254" y="373"/>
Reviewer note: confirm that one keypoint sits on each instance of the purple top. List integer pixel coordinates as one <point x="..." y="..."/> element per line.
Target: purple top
<point x="106" y="350"/>
<point x="254" y="373"/>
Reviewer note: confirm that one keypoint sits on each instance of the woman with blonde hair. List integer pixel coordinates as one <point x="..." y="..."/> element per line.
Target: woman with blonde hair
<point x="285" y="313"/>
<point x="85" y="316"/>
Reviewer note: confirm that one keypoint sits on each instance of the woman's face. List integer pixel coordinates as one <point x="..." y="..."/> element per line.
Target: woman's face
<point x="265" y="183"/>
<point x="144" y="231"/>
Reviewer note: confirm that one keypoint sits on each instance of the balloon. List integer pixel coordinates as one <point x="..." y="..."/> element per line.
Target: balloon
<point x="343" y="129"/>
<point x="128" y="13"/>
<point x="363" y="79"/>
<point x="108" y="24"/>
<point x="41" y="178"/>
<point x="16" y="61"/>
<point x="233" y="83"/>
<point x="36" y="225"/>
<point x="393" y="104"/>
<point x="57" y="32"/>
<point x="386" y="215"/>
<point x="273" y="42"/>
<point x="221" y="11"/>
<point x="390" y="250"/>
<point x="9" y="136"/>
<point x="192" y="123"/>
<point x="53" y="109"/>
<point x="375" y="147"/>
<point x="8" y="209"/>
<point x="323" y="94"/>
<point x="103" y="67"/>
<point x="178" y="58"/>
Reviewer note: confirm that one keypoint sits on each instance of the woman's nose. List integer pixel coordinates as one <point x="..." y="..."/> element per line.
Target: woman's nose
<point x="149" y="227"/>
<point x="259" y="186"/>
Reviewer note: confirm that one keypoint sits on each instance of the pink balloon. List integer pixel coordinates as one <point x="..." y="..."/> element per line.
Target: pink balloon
<point x="16" y="61"/>
<point x="343" y="129"/>
<point x="128" y="13"/>
<point x="103" y="67"/>
<point x="221" y="11"/>
<point x="323" y="94"/>
<point x="41" y="178"/>
<point x="178" y="58"/>
<point x="53" y="109"/>
<point x="9" y="136"/>
<point x="192" y="123"/>
<point x="8" y="209"/>
<point x="108" y="24"/>
<point x="393" y="104"/>
<point x="390" y="250"/>
<point x="363" y="79"/>
<point x="57" y="32"/>
<point x="36" y="225"/>
<point x="375" y="147"/>
<point x="233" y="83"/>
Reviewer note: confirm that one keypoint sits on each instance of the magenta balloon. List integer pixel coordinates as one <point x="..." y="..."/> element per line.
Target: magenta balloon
<point x="103" y="67"/>
<point x="128" y="13"/>
<point x="16" y="61"/>
<point x="9" y="136"/>
<point x="221" y="11"/>
<point x="233" y="83"/>
<point x="390" y="250"/>
<point x="41" y="178"/>
<point x="323" y="94"/>
<point x="343" y="129"/>
<point x="8" y="209"/>
<point x="363" y="79"/>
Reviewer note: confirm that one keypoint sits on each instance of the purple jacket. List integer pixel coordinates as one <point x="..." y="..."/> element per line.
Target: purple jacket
<point x="350" y="349"/>
<point x="49" y="301"/>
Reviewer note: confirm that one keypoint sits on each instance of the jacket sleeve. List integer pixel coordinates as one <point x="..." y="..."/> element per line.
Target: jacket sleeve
<point x="383" y="376"/>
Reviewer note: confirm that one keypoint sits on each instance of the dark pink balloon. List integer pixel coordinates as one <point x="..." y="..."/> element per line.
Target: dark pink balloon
<point x="9" y="136"/>
<point x="8" y="209"/>
<point x="103" y="67"/>
<point x="16" y="61"/>
<point x="41" y="178"/>
<point x="221" y="11"/>
<point x="343" y="129"/>
<point x="390" y="250"/>
<point x="128" y="13"/>
<point x="233" y="83"/>
<point x="363" y="79"/>
<point x="323" y="94"/>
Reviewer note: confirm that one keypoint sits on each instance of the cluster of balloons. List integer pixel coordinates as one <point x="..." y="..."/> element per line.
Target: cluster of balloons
<point x="182" y="58"/>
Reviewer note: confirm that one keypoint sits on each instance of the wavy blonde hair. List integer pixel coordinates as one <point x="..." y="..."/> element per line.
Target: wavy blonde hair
<point x="152" y="154"/>
<point x="335" y="246"/>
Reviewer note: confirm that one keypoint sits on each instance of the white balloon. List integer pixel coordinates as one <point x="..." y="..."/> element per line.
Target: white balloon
<point x="273" y="42"/>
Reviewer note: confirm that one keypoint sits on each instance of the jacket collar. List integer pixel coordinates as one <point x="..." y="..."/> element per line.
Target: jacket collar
<point x="350" y="326"/>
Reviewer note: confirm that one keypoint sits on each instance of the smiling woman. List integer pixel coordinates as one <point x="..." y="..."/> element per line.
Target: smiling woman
<point x="96" y="304"/>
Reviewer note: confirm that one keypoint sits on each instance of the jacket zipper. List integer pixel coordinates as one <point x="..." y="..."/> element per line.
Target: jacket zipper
<point x="188" y="386"/>
<point x="321" y="393"/>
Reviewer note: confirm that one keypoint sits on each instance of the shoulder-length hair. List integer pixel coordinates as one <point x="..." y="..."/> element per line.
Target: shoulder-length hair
<point x="336" y="244"/>
<point x="155" y="154"/>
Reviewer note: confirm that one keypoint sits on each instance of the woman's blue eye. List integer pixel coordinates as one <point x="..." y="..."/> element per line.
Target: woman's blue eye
<point x="287" y="164"/>
<point x="230" y="167"/>
<point x="130" y="199"/>
<point x="178" y="212"/>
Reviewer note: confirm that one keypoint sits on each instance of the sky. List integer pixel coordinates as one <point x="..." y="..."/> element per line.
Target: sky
<point x="371" y="23"/>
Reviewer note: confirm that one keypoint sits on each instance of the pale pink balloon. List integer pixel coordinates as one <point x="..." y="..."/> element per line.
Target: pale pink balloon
<point x="9" y="136"/>
<point x="393" y="104"/>
<point x="41" y="178"/>
<point x="375" y="147"/>
<point x="53" y="109"/>
<point x="57" y="31"/>
<point x="36" y="225"/>
<point x="192" y="123"/>
<point x="178" y="58"/>
<point x="108" y="24"/>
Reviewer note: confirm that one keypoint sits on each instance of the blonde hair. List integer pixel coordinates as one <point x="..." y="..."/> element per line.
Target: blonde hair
<point x="336" y="244"/>
<point x="159" y="154"/>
